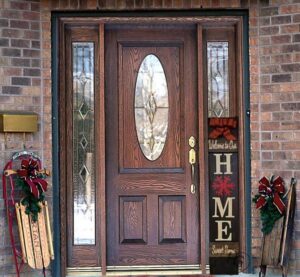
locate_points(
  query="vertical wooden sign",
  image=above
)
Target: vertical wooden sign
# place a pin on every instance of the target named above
(223, 195)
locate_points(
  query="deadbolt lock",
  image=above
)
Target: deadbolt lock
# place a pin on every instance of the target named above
(192, 141)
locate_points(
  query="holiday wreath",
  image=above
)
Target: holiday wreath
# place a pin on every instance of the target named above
(31, 180)
(269, 201)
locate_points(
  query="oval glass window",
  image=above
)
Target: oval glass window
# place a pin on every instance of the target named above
(151, 107)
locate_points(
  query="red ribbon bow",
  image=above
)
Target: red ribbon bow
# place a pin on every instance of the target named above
(29, 173)
(271, 188)
(222, 128)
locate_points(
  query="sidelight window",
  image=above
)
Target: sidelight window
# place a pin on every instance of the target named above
(83, 143)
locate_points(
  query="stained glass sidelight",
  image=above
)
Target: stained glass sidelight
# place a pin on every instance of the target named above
(151, 107)
(218, 86)
(83, 143)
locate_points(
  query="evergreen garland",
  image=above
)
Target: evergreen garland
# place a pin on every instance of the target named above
(268, 215)
(31, 203)
(270, 202)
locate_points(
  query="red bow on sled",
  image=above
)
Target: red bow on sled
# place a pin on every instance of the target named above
(271, 188)
(29, 173)
(222, 127)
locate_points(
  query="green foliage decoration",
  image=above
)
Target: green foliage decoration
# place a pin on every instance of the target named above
(269, 214)
(31, 203)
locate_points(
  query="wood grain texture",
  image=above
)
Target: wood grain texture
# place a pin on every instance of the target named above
(139, 179)
(133, 219)
(100, 148)
(241, 112)
(84, 255)
(62, 147)
(129, 173)
(203, 175)
(172, 221)
(131, 154)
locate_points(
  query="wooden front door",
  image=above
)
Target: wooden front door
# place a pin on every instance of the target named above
(151, 112)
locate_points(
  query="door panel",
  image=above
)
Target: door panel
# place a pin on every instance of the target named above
(152, 216)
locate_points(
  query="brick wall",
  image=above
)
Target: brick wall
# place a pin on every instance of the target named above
(275, 101)
(20, 89)
(25, 84)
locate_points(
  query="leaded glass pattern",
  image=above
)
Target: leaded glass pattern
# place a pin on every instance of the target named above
(151, 107)
(83, 143)
(217, 74)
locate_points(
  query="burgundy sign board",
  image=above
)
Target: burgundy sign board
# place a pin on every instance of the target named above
(223, 195)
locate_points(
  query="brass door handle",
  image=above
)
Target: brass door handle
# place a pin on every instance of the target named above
(192, 161)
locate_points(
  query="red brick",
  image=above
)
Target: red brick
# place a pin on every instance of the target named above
(3, 22)
(11, 52)
(270, 107)
(281, 19)
(294, 67)
(266, 135)
(20, 81)
(270, 164)
(264, 21)
(281, 78)
(292, 145)
(14, 5)
(31, 15)
(270, 145)
(275, 68)
(12, 71)
(270, 126)
(12, 33)
(31, 72)
(4, 42)
(31, 53)
(281, 39)
(20, 62)
(296, 18)
(20, 43)
(267, 155)
(36, 63)
(11, 14)
(34, 25)
(11, 90)
(21, 24)
(279, 155)
(290, 106)
(286, 29)
(32, 34)
(282, 58)
(289, 9)
(35, 7)
(269, 11)
(272, 30)
(282, 116)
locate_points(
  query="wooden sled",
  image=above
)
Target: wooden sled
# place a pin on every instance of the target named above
(35, 237)
(276, 246)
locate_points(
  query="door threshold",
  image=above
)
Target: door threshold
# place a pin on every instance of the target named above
(166, 270)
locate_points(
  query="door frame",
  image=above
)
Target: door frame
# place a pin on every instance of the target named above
(199, 17)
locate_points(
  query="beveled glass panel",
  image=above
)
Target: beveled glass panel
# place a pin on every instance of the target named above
(151, 107)
(217, 74)
(83, 143)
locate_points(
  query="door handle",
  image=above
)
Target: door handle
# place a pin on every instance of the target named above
(192, 161)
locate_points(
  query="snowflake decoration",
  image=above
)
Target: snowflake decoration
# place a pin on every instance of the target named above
(223, 186)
